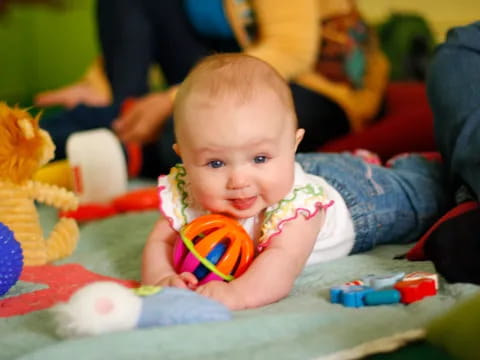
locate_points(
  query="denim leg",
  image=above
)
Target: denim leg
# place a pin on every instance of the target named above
(177, 46)
(134, 34)
(127, 44)
(387, 205)
(452, 83)
(426, 186)
(62, 124)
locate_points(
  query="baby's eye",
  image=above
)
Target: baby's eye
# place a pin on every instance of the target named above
(260, 159)
(216, 164)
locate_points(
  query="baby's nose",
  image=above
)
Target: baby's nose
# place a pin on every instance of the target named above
(237, 180)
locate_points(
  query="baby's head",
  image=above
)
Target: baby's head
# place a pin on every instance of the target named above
(236, 132)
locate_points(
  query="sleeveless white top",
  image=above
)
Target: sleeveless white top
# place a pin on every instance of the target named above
(309, 195)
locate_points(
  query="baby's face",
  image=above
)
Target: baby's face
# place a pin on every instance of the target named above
(239, 158)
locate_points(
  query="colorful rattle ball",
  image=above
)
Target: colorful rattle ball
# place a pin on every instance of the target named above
(213, 247)
(11, 259)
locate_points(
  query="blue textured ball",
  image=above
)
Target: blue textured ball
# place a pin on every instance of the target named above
(11, 259)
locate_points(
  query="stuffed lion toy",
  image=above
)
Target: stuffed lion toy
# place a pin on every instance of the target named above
(24, 148)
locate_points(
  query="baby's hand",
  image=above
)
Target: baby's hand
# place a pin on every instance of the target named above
(222, 292)
(184, 280)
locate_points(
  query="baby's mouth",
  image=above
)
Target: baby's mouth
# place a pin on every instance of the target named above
(243, 203)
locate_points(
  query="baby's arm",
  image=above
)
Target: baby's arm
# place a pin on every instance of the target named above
(271, 275)
(157, 260)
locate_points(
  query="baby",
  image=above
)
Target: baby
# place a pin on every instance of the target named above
(236, 133)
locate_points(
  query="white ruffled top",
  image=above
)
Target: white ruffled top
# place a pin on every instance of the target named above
(309, 194)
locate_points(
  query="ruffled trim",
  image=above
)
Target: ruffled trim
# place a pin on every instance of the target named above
(273, 227)
(171, 191)
(161, 188)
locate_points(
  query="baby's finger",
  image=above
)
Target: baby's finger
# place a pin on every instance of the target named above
(203, 290)
(190, 280)
(178, 282)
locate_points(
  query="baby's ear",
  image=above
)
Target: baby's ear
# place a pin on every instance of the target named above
(176, 148)
(298, 137)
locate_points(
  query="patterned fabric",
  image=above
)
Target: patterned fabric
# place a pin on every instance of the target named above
(343, 45)
(306, 198)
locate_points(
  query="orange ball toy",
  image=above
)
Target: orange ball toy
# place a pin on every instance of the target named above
(213, 247)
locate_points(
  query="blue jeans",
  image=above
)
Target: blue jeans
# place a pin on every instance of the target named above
(453, 90)
(394, 204)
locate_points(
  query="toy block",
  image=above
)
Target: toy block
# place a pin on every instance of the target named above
(349, 296)
(382, 297)
(414, 290)
(420, 275)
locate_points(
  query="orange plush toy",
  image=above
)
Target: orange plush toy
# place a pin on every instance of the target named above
(24, 148)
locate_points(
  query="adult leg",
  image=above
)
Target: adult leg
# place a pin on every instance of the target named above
(453, 80)
(321, 118)
(126, 41)
(177, 46)
(452, 85)
(134, 34)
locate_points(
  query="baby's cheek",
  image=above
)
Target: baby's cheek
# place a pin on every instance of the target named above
(277, 192)
(210, 198)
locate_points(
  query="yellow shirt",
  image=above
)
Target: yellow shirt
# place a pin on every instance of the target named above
(289, 38)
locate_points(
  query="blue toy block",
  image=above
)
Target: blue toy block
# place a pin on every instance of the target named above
(349, 295)
(336, 293)
(353, 297)
(382, 297)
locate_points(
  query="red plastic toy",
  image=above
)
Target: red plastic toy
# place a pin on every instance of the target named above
(414, 290)
(88, 212)
(136, 200)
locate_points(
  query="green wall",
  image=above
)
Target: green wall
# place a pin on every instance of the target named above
(43, 47)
